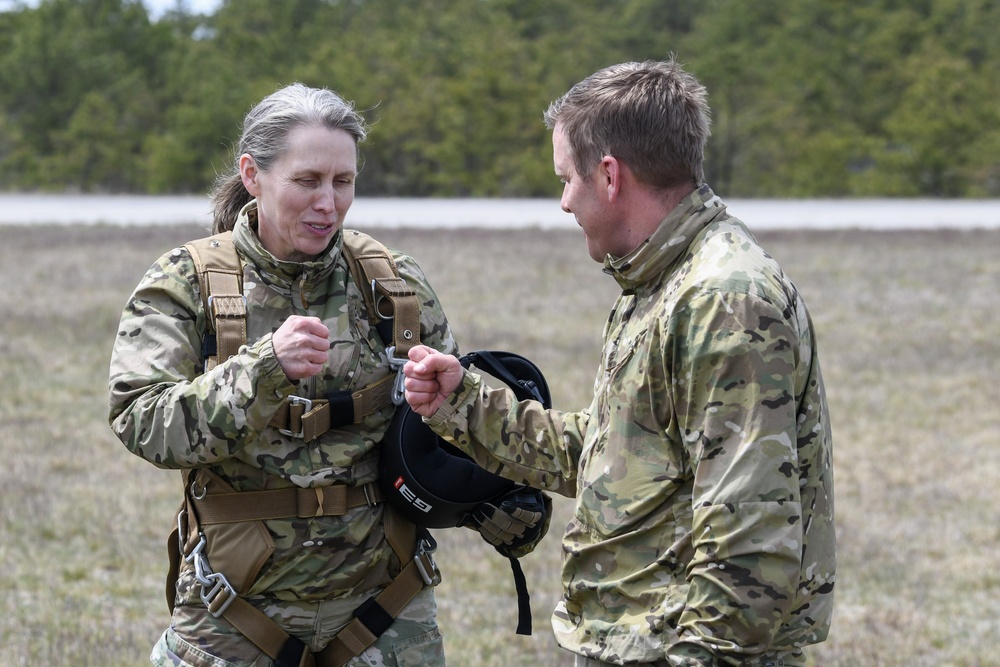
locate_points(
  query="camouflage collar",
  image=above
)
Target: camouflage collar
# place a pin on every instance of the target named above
(670, 240)
(281, 272)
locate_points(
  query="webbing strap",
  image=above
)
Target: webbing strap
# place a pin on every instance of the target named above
(286, 503)
(220, 275)
(228, 310)
(387, 297)
(311, 419)
(374, 270)
(352, 640)
(371, 619)
(254, 624)
(356, 636)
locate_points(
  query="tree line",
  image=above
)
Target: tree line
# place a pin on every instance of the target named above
(818, 98)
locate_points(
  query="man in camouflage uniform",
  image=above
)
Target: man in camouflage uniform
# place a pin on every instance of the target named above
(703, 531)
(307, 334)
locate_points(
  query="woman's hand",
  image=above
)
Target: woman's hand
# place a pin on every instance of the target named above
(302, 346)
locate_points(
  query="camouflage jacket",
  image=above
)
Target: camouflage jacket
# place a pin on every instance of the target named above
(167, 411)
(703, 528)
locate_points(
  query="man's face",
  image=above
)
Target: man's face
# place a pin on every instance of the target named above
(303, 198)
(586, 198)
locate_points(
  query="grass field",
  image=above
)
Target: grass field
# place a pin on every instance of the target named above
(909, 337)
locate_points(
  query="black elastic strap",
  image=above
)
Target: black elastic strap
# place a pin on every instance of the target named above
(384, 329)
(341, 408)
(523, 599)
(374, 617)
(523, 389)
(290, 654)
(209, 346)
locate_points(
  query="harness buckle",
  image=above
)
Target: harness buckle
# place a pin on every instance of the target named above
(219, 586)
(213, 584)
(196, 556)
(211, 299)
(423, 557)
(297, 400)
(398, 395)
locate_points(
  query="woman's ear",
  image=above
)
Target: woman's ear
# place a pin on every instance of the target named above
(249, 173)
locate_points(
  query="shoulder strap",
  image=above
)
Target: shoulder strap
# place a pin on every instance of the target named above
(391, 305)
(220, 275)
(377, 276)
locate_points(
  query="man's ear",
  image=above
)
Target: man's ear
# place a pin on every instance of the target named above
(249, 173)
(611, 175)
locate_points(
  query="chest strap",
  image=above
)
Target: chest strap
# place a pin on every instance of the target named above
(308, 418)
(391, 306)
(220, 275)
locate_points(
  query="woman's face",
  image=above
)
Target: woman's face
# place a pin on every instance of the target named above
(303, 198)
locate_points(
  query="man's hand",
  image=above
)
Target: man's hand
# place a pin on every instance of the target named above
(431, 377)
(302, 346)
(515, 525)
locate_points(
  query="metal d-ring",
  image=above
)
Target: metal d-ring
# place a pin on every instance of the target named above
(377, 301)
(194, 490)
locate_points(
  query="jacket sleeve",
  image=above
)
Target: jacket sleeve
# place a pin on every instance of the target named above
(161, 405)
(521, 441)
(735, 358)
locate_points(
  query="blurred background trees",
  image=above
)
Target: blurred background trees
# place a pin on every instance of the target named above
(815, 98)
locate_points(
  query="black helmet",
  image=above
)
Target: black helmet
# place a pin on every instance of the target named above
(429, 481)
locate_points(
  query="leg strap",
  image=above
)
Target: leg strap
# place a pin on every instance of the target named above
(371, 619)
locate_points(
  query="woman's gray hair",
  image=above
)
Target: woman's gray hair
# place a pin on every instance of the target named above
(652, 115)
(265, 133)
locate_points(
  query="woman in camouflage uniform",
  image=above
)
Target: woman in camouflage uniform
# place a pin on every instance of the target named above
(307, 335)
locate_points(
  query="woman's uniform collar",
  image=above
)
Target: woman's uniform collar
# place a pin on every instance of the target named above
(247, 239)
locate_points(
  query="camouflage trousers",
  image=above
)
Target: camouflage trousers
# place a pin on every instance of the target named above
(195, 638)
(783, 659)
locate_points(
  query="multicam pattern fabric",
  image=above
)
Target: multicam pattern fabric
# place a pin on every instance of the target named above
(703, 531)
(165, 410)
(413, 640)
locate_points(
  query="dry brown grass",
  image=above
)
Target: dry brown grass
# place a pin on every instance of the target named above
(910, 342)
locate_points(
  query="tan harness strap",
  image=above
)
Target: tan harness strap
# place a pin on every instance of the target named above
(372, 266)
(285, 503)
(228, 308)
(220, 275)
(386, 296)
(355, 637)
(371, 619)
(311, 419)
(419, 572)
(256, 626)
